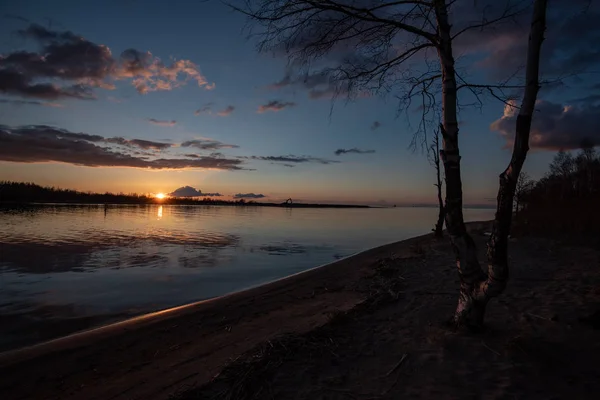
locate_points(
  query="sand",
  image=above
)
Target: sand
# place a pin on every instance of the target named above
(370, 326)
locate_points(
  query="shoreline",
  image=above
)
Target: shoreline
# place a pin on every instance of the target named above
(69, 341)
(154, 354)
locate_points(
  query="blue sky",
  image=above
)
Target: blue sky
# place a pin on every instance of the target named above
(211, 36)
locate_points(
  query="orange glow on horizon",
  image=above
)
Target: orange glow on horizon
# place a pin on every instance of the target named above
(160, 196)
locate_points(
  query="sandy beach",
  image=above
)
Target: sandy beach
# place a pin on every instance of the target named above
(369, 326)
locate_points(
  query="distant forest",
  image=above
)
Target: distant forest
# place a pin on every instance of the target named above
(566, 200)
(22, 193)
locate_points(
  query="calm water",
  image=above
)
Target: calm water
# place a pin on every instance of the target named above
(66, 268)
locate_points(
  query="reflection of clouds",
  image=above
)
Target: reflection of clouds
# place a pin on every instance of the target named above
(286, 248)
(92, 249)
(283, 249)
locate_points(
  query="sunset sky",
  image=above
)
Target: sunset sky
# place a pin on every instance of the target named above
(150, 96)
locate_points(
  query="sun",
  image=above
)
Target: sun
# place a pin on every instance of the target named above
(160, 196)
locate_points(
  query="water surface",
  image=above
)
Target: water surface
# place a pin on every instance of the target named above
(65, 268)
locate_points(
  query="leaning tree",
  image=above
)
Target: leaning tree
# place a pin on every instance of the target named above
(405, 48)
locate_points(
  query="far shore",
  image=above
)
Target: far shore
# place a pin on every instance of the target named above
(401, 293)
(191, 203)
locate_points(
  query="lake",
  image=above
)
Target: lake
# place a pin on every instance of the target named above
(65, 268)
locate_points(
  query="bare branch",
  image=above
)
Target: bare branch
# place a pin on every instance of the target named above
(367, 15)
(508, 13)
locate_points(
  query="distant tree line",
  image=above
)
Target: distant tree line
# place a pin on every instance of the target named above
(566, 200)
(25, 192)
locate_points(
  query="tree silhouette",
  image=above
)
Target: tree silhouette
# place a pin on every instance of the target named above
(370, 47)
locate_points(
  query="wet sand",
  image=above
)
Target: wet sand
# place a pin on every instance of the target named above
(550, 298)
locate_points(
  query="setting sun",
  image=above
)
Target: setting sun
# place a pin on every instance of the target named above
(160, 196)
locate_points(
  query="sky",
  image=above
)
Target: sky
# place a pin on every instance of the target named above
(155, 96)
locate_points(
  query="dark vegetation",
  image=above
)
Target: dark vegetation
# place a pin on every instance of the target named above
(566, 200)
(23, 193)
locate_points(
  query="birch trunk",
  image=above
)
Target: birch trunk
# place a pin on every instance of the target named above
(497, 250)
(439, 226)
(469, 270)
(477, 287)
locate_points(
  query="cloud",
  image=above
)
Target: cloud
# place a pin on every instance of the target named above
(320, 84)
(16, 83)
(41, 143)
(161, 122)
(16, 17)
(554, 126)
(207, 144)
(205, 109)
(289, 159)
(30, 103)
(149, 73)
(500, 49)
(503, 49)
(188, 191)
(141, 143)
(376, 125)
(353, 150)
(275, 105)
(226, 112)
(248, 196)
(67, 65)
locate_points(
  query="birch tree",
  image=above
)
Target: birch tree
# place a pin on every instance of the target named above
(433, 155)
(406, 48)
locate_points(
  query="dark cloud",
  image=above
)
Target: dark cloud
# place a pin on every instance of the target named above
(320, 84)
(17, 83)
(591, 99)
(188, 191)
(207, 144)
(248, 196)
(376, 125)
(29, 103)
(292, 159)
(226, 112)
(554, 126)
(161, 122)
(40, 143)
(275, 105)
(81, 65)
(141, 143)
(504, 47)
(42, 34)
(353, 150)
(205, 109)
(16, 17)
(499, 49)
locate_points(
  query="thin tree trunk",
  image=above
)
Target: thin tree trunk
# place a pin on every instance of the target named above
(439, 226)
(497, 250)
(463, 245)
(477, 287)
